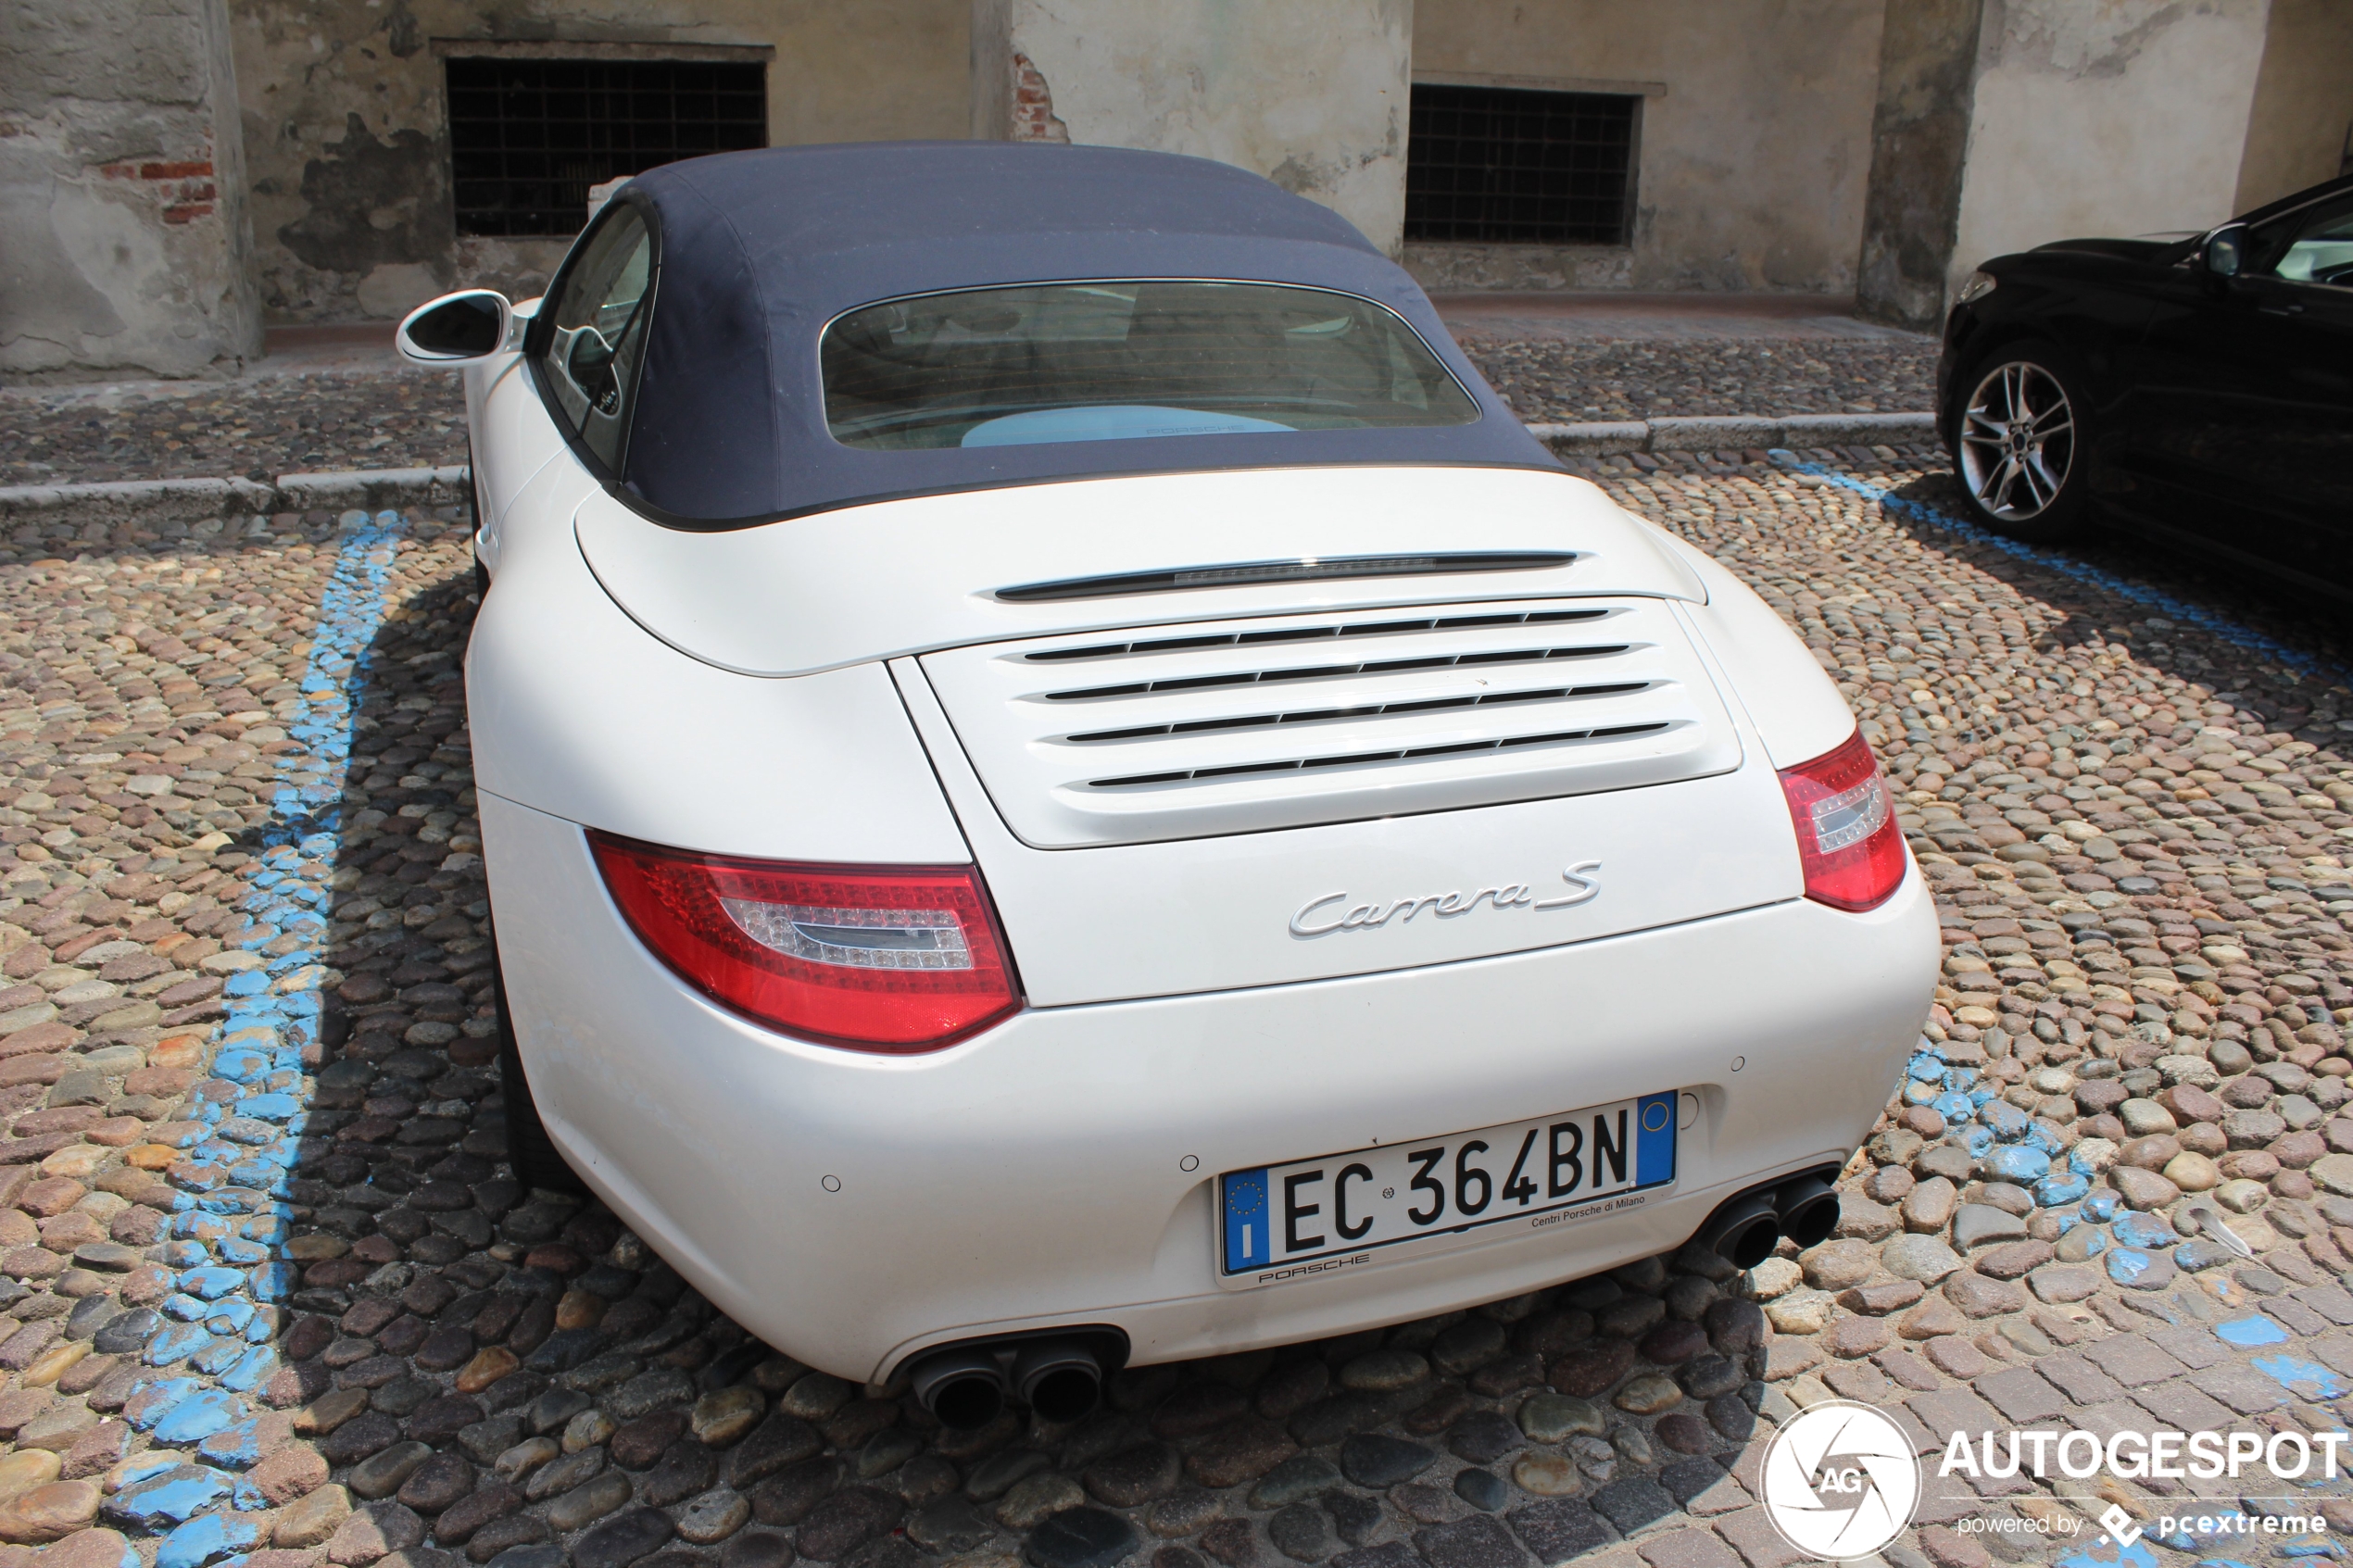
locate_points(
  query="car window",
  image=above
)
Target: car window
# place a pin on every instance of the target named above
(1107, 361)
(599, 333)
(2312, 245)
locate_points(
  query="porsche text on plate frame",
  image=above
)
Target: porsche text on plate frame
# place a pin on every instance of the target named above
(1284, 1223)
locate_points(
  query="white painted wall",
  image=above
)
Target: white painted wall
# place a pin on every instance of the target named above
(2108, 118)
(1313, 96)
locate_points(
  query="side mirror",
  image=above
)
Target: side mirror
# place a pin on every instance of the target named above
(472, 324)
(2224, 249)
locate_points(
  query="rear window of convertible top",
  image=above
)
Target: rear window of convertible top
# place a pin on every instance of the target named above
(1108, 361)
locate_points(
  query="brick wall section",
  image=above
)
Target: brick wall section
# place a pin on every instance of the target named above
(184, 191)
(1034, 106)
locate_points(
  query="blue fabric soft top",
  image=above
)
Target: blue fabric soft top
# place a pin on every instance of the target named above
(760, 250)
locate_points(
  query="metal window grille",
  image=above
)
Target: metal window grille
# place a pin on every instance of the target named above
(1506, 164)
(527, 138)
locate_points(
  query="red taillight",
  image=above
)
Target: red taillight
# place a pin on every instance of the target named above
(893, 959)
(1846, 833)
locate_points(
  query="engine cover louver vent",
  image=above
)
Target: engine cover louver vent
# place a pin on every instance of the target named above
(1453, 748)
(1225, 728)
(1264, 635)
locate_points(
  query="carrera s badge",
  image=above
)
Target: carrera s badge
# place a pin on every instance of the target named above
(1316, 917)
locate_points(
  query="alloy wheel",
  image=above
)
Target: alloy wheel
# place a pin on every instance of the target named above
(2017, 440)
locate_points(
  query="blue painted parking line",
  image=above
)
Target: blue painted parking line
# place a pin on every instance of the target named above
(2173, 609)
(230, 1213)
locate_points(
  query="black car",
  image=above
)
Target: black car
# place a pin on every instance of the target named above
(2199, 387)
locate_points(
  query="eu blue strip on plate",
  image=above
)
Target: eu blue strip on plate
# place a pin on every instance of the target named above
(1248, 1244)
(1653, 1139)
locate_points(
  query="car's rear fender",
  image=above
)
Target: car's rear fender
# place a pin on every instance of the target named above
(574, 710)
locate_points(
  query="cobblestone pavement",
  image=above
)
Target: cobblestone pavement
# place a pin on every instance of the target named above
(267, 425)
(1634, 378)
(272, 1299)
(259, 428)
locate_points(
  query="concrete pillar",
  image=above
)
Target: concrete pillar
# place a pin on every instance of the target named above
(2006, 124)
(1919, 134)
(123, 239)
(1315, 96)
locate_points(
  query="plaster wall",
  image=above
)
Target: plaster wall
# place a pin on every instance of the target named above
(346, 124)
(2300, 131)
(123, 239)
(1313, 97)
(2120, 117)
(1754, 134)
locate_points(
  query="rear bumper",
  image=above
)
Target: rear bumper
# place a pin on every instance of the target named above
(853, 1210)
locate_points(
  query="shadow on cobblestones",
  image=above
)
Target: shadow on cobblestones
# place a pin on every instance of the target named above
(2108, 588)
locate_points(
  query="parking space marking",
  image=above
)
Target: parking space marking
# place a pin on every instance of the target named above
(232, 1208)
(2067, 566)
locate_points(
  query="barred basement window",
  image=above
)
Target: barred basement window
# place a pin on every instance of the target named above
(528, 137)
(1511, 166)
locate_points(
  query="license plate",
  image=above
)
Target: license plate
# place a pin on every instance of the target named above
(1280, 1224)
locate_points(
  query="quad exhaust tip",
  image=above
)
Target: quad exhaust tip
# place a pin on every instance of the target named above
(1744, 1231)
(1808, 1209)
(964, 1388)
(1058, 1379)
(1058, 1374)
(1747, 1227)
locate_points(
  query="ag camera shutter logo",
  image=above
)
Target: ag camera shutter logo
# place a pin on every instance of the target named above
(1840, 1481)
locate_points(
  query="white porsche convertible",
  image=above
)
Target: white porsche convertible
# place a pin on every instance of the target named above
(1063, 784)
